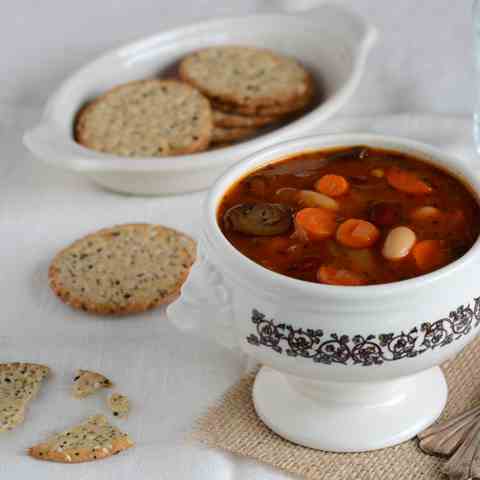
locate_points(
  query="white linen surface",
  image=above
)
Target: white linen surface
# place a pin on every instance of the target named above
(422, 62)
(170, 377)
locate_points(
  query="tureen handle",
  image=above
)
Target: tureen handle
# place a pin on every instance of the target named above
(204, 306)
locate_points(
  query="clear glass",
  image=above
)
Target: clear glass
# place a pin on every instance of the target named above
(476, 39)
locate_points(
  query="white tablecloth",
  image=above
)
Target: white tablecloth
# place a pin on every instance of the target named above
(170, 377)
(422, 64)
(423, 61)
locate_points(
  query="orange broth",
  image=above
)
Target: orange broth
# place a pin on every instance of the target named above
(366, 170)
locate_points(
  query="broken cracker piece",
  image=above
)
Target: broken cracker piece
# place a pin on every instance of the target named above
(93, 439)
(19, 384)
(119, 405)
(87, 382)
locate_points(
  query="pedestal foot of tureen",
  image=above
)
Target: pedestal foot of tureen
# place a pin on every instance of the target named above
(349, 417)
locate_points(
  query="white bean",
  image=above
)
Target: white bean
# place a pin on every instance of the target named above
(309, 198)
(425, 213)
(398, 243)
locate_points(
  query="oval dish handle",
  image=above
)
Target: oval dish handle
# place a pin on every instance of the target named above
(336, 19)
(44, 141)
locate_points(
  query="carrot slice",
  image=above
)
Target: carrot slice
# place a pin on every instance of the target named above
(315, 223)
(429, 254)
(356, 233)
(340, 276)
(407, 182)
(332, 185)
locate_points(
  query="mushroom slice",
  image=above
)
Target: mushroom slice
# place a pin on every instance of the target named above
(260, 219)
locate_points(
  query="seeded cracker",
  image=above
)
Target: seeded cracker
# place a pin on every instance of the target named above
(91, 440)
(269, 111)
(246, 76)
(19, 384)
(227, 135)
(232, 120)
(146, 118)
(87, 382)
(123, 269)
(119, 405)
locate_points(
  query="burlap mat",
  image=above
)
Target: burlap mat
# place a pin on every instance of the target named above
(233, 425)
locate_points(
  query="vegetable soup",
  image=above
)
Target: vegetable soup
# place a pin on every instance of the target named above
(350, 216)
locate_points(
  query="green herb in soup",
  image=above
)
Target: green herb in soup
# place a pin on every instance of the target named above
(351, 216)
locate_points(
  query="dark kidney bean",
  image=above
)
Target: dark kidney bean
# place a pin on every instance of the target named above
(385, 213)
(358, 179)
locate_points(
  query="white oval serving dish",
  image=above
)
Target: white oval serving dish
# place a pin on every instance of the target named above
(331, 41)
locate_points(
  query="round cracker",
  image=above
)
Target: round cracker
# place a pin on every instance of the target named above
(147, 118)
(245, 76)
(269, 111)
(233, 120)
(124, 269)
(228, 135)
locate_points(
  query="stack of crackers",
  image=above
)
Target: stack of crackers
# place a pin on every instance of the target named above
(224, 95)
